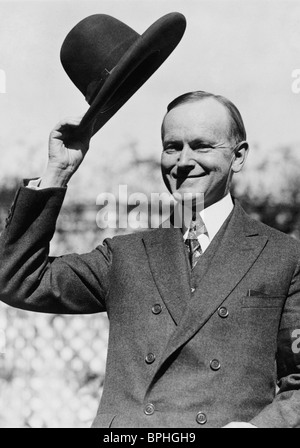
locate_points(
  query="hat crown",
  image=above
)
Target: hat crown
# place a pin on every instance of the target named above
(94, 47)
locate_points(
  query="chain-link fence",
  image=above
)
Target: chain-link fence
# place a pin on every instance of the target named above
(51, 368)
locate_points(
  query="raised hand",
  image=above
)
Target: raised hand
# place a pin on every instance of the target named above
(68, 145)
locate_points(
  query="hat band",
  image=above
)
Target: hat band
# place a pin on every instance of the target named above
(94, 86)
(136, 75)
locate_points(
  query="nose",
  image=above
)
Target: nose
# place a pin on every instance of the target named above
(186, 159)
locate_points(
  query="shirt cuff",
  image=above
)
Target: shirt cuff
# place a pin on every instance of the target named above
(34, 184)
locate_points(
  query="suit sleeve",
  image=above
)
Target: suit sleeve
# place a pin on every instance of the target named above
(30, 279)
(284, 411)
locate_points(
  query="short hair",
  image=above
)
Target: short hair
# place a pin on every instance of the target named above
(237, 130)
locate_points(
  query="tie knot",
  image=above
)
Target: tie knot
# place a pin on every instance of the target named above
(197, 227)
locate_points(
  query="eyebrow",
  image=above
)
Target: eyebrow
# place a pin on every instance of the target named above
(171, 141)
(192, 143)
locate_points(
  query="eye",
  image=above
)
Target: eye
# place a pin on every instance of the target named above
(171, 148)
(202, 147)
(170, 151)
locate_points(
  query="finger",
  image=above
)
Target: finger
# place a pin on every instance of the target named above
(68, 122)
(65, 128)
(70, 133)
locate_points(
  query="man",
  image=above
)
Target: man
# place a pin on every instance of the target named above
(198, 337)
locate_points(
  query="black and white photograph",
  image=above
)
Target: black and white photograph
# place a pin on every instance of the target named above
(150, 216)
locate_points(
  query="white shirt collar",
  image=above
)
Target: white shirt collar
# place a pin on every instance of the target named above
(214, 216)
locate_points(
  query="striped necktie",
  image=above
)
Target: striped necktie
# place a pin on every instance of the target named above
(197, 228)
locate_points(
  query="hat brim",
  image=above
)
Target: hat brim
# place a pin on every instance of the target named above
(139, 62)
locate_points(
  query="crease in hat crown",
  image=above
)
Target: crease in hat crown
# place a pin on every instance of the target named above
(100, 38)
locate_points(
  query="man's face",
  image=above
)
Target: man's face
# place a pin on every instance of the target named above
(197, 151)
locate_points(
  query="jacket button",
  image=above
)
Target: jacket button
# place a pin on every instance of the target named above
(156, 309)
(215, 364)
(149, 409)
(201, 418)
(223, 312)
(150, 358)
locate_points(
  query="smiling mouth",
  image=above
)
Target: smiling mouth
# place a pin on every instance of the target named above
(195, 176)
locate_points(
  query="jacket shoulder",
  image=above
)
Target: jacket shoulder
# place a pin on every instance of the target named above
(132, 238)
(279, 237)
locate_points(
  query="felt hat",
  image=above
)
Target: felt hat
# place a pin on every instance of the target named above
(108, 61)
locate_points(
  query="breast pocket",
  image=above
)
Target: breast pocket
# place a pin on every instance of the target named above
(263, 301)
(259, 319)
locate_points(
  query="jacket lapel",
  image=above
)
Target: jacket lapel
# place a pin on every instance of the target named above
(168, 263)
(238, 250)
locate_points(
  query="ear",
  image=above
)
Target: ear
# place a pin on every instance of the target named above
(240, 156)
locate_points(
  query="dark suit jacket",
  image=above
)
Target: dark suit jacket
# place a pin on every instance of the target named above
(175, 358)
